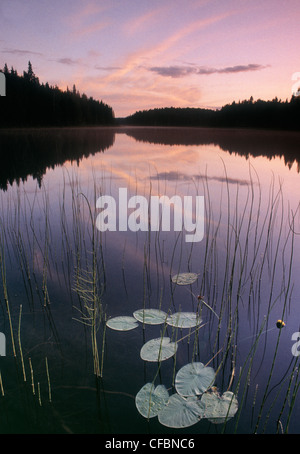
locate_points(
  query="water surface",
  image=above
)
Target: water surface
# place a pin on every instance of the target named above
(247, 264)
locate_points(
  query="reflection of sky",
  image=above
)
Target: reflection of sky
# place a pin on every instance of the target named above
(138, 54)
(170, 169)
(166, 170)
(149, 168)
(181, 167)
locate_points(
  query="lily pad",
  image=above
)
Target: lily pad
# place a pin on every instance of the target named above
(184, 319)
(219, 409)
(194, 379)
(150, 316)
(150, 400)
(158, 349)
(184, 278)
(122, 323)
(180, 412)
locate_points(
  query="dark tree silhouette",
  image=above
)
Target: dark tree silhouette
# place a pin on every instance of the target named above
(29, 75)
(28, 103)
(259, 114)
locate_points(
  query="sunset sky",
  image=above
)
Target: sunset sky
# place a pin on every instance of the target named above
(141, 54)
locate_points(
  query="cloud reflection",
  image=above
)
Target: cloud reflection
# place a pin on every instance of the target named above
(180, 176)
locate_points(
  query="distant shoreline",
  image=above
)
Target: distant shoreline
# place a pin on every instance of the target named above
(31, 104)
(131, 126)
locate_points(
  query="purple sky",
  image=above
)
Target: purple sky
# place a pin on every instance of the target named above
(138, 54)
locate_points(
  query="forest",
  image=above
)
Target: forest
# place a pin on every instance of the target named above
(275, 114)
(29, 103)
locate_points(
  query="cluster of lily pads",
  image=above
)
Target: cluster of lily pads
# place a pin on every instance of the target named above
(192, 401)
(195, 396)
(161, 348)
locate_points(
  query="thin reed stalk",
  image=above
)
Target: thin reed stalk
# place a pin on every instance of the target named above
(20, 344)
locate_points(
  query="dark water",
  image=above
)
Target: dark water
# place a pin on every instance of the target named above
(248, 264)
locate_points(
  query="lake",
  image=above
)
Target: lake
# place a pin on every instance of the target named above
(84, 241)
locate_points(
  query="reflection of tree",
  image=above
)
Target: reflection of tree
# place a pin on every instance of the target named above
(33, 151)
(274, 114)
(244, 142)
(30, 152)
(29, 103)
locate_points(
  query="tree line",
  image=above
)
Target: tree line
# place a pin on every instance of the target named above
(29, 103)
(275, 114)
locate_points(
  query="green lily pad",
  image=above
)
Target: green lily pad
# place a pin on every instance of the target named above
(219, 409)
(184, 278)
(184, 319)
(180, 412)
(150, 400)
(122, 323)
(194, 379)
(150, 316)
(158, 349)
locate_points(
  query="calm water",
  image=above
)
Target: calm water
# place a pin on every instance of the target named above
(248, 266)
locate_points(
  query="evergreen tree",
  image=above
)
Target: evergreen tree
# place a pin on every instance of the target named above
(30, 103)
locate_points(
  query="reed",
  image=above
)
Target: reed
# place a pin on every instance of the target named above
(32, 376)
(20, 344)
(1, 385)
(48, 380)
(5, 291)
(244, 251)
(286, 293)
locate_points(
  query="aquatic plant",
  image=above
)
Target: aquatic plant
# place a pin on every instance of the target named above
(179, 412)
(194, 379)
(237, 275)
(150, 400)
(160, 349)
(184, 320)
(219, 409)
(122, 323)
(195, 399)
(184, 278)
(150, 316)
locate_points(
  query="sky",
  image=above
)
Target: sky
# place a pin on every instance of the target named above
(143, 54)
